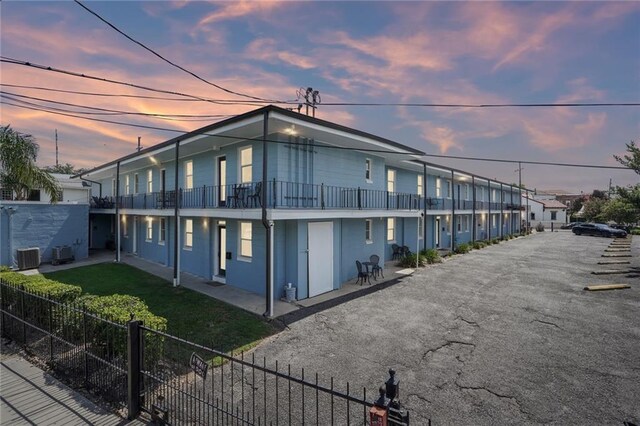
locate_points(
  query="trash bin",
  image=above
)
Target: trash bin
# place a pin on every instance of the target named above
(290, 292)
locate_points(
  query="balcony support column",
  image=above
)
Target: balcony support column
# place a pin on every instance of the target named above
(117, 202)
(501, 212)
(452, 225)
(424, 206)
(176, 227)
(473, 210)
(268, 225)
(489, 213)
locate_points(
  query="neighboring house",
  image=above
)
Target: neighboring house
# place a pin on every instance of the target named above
(546, 211)
(37, 223)
(273, 196)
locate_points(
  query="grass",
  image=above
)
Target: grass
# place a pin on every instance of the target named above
(190, 315)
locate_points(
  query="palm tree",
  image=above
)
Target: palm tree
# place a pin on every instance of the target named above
(18, 170)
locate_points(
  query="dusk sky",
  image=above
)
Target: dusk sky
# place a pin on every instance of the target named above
(357, 52)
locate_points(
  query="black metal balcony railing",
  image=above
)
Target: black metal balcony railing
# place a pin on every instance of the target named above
(290, 195)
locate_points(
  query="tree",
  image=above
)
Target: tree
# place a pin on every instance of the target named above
(620, 211)
(593, 209)
(65, 169)
(18, 170)
(631, 160)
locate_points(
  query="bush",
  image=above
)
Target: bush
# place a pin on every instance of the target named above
(119, 308)
(635, 231)
(478, 245)
(495, 241)
(431, 256)
(463, 248)
(39, 284)
(4, 268)
(540, 227)
(410, 261)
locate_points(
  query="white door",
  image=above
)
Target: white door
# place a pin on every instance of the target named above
(437, 233)
(320, 257)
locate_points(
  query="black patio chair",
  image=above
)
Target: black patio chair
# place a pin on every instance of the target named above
(237, 197)
(397, 252)
(255, 199)
(405, 251)
(375, 265)
(363, 273)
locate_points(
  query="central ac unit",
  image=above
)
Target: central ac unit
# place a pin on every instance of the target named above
(62, 254)
(28, 258)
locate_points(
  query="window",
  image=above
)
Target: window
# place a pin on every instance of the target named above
(125, 233)
(391, 180)
(188, 174)
(136, 184)
(58, 196)
(438, 188)
(459, 223)
(466, 223)
(188, 233)
(554, 215)
(367, 169)
(420, 185)
(368, 226)
(113, 187)
(391, 229)
(466, 191)
(533, 216)
(494, 220)
(149, 180)
(449, 189)
(34, 195)
(246, 165)
(481, 194)
(149, 235)
(246, 235)
(162, 230)
(494, 196)
(127, 187)
(420, 227)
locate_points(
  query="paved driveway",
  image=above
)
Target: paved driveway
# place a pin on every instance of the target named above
(503, 335)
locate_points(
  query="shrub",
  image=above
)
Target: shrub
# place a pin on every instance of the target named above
(495, 241)
(431, 256)
(39, 284)
(4, 268)
(635, 231)
(462, 248)
(478, 245)
(410, 261)
(540, 227)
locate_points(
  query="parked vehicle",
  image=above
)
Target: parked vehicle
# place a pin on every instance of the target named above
(625, 228)
(598, 230)
(570, 225)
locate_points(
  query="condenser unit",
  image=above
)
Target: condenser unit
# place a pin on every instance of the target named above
(62, 254)
(28, 258)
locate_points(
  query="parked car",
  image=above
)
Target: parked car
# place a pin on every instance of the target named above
(625, 228)
(598, 229)
(570, 225)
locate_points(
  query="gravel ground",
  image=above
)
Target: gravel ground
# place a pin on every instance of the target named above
(502, 335)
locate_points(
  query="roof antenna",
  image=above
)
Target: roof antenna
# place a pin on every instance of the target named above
(56, 130)
(139, 146)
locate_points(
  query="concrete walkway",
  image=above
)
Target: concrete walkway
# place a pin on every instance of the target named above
(235, 296)
(32, 397)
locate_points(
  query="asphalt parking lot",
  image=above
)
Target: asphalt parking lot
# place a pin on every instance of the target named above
(502, 335)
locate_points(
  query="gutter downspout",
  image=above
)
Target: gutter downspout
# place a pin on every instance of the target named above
(176, 228)
(489, 213)
(118, 212)
(473, 211)
(501, 213)
(453, 212)
(92, 181)
(424, 216)
(268, 225)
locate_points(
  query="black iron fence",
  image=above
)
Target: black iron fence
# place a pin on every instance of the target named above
(176, 381)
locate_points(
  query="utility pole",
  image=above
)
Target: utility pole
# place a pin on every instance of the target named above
(311, 99)
(56, 131)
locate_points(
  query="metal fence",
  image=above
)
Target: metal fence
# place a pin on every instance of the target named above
(176, 381)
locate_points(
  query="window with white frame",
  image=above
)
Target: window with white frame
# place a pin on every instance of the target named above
(125, 232)
(149, 180)
(420, 186)
(246, 239)
(391, 180)
(368, 231)
(149, 234)
(554, 215)
(421, 227)
(246, 165)
(459, 223)
(494, 196)
(127, 186)
(494, 220)
(481, 194)
(467, 220)
(136, 183)
(188, 174)
(391, 229)
(113, 187)
(438, 187)
(466, 191)
(188, 233)
(449, 184)
(162, 230)
(367, 169)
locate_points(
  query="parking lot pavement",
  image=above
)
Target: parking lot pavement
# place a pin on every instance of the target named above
(502, 335)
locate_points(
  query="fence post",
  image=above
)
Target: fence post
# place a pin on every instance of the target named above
(133, 368)
(322, 195)
(24, 319)
(359, 200)
(50, 329)
(85, 346)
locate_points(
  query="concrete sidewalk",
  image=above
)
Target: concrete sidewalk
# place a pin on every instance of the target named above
(30, 396)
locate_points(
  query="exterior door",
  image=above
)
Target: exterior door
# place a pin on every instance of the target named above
(222, 181)
(134, 248)
(437, 233)
(222, 250)
(320, 257)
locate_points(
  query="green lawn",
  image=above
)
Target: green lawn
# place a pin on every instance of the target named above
(190, 315)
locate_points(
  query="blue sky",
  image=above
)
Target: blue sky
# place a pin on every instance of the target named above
(398, 52)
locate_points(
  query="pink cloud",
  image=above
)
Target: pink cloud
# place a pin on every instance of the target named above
(267, 50)
(237, 9)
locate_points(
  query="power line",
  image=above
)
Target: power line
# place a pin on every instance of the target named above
(148, 49)
(515, 105)
(105, 110)
(123, 83)
(380, 151)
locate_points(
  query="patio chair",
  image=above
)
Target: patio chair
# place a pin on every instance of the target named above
(237, 197)
(375, 265)
(397, 253)
(405, 251)
(255, 199)
(363, 273)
